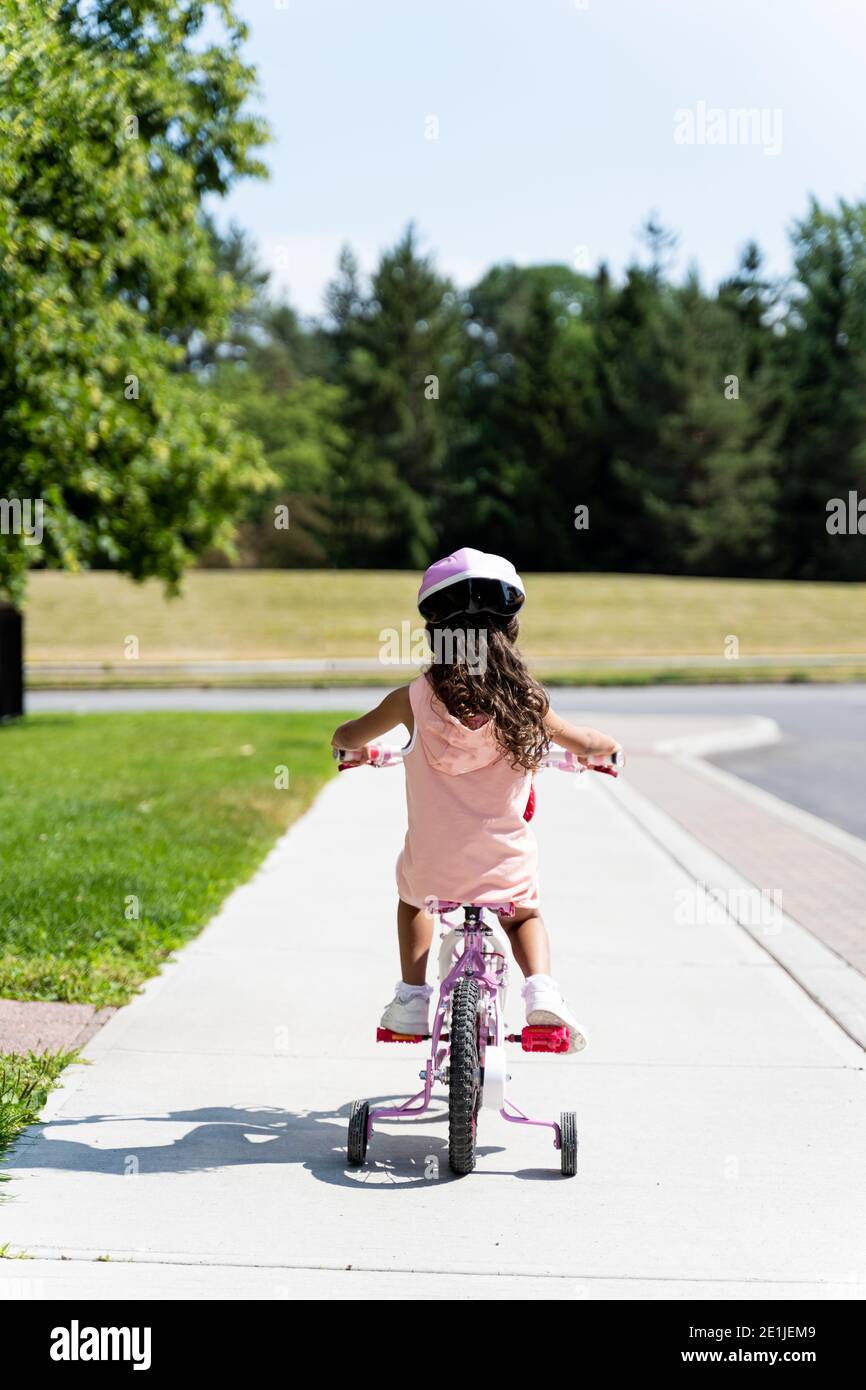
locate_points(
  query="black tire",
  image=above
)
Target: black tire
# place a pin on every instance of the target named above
(464, 1094)
(568, 1147)
(358, 1122)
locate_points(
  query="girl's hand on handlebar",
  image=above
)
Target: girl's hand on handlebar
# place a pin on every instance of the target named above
(612, 762)
(590, 746)
(351, 757)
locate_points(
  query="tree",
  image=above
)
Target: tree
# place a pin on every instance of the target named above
(753, 300)
(502, 300)
(345, 307)
(297, 421)
(516, 469)
(116, 126)
(719, 508)
(636, 394)
(687, 468)
(732, 340)
(397, 347)
(823, 394)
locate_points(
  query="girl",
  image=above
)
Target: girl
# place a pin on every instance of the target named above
(479, 726)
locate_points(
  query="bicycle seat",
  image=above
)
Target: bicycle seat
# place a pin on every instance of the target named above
(439, 906)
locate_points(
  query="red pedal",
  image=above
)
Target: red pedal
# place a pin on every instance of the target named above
(388, 1035)
(543, 1038)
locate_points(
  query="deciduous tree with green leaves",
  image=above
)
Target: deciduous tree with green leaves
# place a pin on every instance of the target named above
(117, 121)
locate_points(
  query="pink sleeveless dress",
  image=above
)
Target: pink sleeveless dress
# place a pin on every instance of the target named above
(467, 840)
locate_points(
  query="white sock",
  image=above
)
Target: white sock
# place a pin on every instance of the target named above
(407, 992)
(546, 980)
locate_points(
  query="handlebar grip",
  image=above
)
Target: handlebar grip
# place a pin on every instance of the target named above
(346, 758)
(607, 760)
(374, 755)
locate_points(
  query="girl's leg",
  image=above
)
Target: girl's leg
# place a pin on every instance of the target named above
(529, 942)
(415, 934)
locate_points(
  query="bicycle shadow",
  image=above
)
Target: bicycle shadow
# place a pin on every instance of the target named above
(402, 1155)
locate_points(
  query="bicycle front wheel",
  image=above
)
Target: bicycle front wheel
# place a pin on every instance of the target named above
(464, 1095)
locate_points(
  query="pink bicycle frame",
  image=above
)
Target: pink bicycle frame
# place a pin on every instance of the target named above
(472, 962)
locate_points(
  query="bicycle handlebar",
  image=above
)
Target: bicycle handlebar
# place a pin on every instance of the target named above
(387, 755)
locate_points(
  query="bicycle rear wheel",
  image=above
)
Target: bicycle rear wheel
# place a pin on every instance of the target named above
(464, 1095)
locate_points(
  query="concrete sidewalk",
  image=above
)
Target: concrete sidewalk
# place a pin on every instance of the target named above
(202, 1150)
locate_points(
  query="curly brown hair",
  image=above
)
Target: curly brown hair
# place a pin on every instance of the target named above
(499, 685)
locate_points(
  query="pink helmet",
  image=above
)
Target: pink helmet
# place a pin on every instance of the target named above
(469, 581)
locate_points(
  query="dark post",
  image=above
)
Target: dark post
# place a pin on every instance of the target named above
(11, 662)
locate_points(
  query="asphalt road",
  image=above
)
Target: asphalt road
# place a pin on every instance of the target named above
(820, 764)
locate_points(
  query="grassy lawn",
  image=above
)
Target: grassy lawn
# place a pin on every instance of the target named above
(105, 815)
(278, 614)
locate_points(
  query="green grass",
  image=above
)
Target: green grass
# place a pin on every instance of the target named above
(103, 815)
(25, 1082)
(267, 614)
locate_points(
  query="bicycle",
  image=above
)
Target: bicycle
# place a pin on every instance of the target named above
(467, 1042)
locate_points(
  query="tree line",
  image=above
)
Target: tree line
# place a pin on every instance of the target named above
(570, 420)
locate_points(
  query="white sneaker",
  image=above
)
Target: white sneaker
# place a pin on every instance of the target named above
(409, 1010)
(545, 1006)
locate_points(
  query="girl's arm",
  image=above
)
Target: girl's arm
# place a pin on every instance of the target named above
(578, 738)
(395, 709)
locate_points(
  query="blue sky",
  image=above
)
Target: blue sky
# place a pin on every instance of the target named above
(556, 128)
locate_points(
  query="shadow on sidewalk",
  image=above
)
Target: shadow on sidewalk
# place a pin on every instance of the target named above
(409, 1153)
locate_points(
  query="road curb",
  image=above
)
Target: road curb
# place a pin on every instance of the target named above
(752, 733)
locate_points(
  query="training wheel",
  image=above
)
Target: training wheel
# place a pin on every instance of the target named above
(495, 1078)
(568, 1143)
(359, 1124)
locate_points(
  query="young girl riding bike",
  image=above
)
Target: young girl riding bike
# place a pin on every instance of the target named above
(479, 727)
